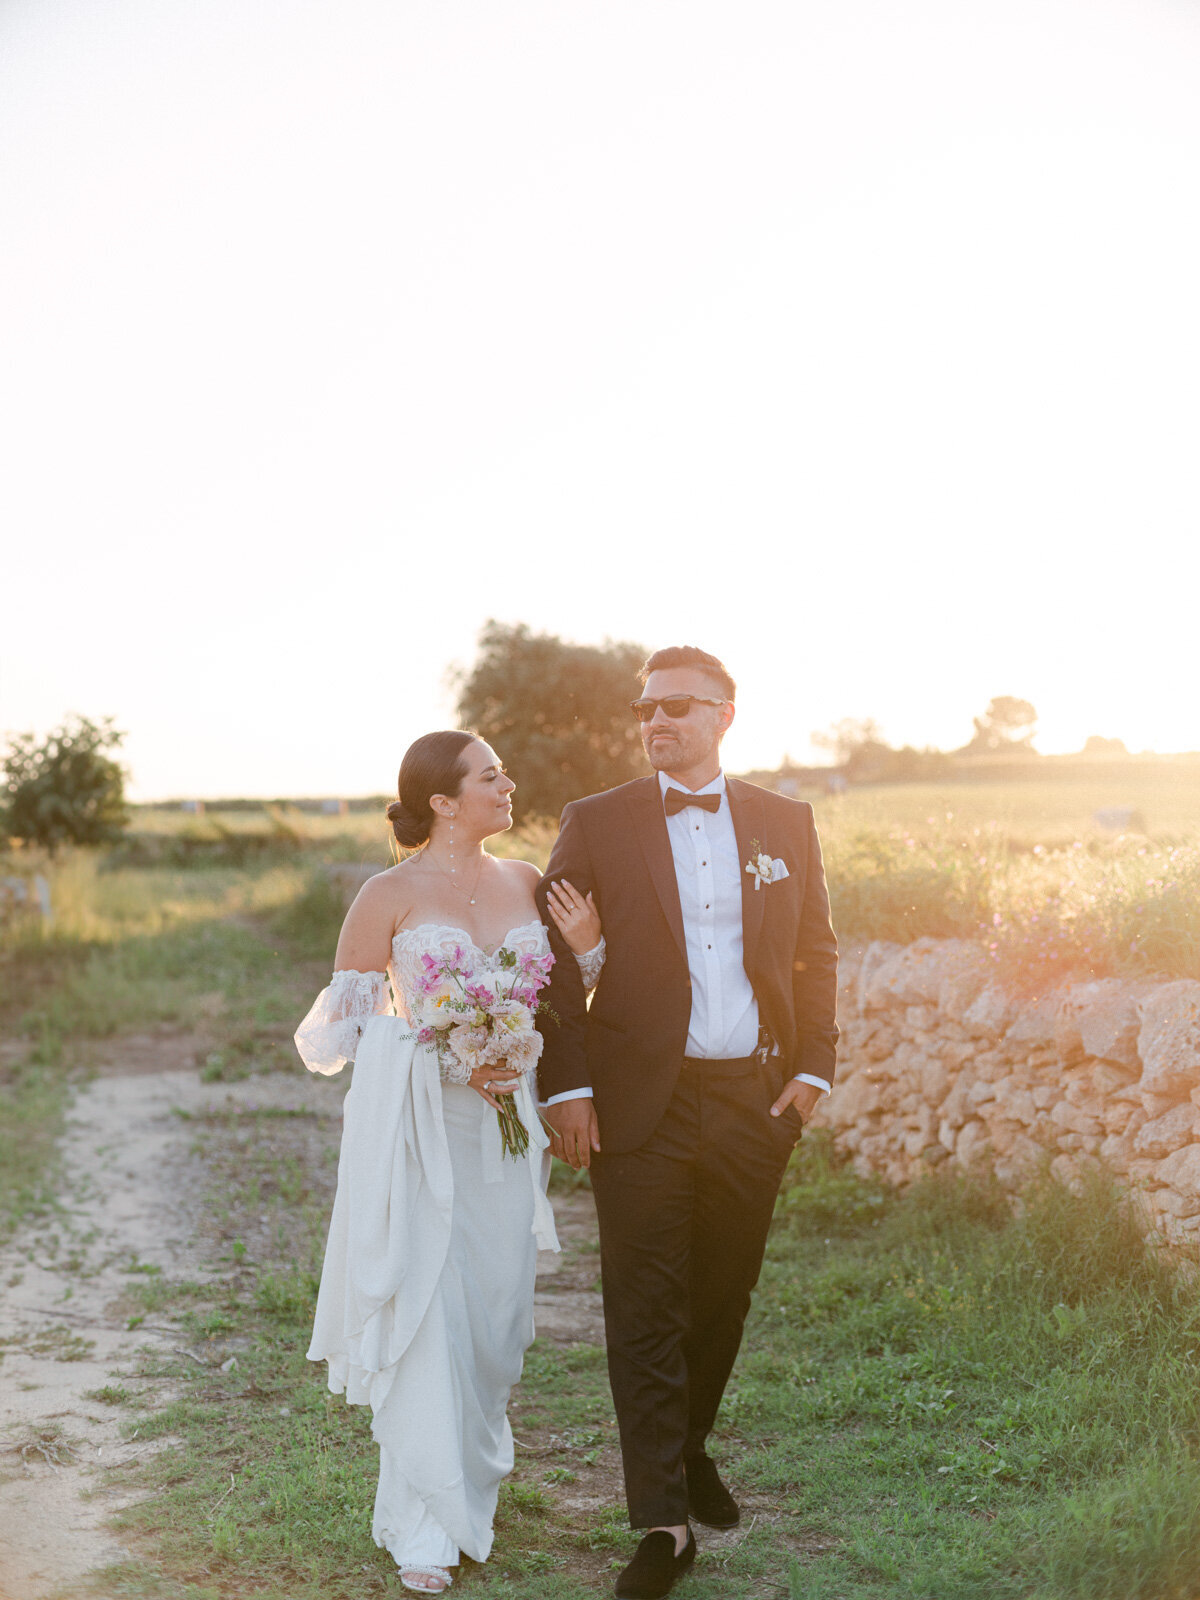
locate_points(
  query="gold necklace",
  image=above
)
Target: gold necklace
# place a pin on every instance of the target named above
(449, 876)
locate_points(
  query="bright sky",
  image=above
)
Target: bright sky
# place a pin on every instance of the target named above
(857, 341)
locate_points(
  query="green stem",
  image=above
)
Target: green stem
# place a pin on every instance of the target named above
(513, 1133)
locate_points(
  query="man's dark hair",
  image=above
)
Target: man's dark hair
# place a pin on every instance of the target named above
(688, 655)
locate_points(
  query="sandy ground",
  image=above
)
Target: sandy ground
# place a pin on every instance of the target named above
(128, 1200)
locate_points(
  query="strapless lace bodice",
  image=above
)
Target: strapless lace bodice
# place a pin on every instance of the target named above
(442, 940)
(328, 1037)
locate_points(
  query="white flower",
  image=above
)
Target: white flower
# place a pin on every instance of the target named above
(512, 1016)
(762, 868)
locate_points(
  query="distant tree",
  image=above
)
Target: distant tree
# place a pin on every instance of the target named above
(1007, 724)
(65, 790)
(851, 738)
(557, 714)
(864, 756)
(1097, 745)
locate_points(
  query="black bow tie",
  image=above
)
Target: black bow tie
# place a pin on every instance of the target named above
(676, 799)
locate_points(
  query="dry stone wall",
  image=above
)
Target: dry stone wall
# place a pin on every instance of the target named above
(939, 1062)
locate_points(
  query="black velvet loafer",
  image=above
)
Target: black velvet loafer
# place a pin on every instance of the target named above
(655, 1568)
(709, 1501)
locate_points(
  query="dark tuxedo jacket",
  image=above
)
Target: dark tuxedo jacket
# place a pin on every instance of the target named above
(628, 1046)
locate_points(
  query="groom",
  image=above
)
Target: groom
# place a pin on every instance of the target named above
(708, 1043)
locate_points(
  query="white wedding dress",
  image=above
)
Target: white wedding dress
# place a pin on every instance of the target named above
(425, 1308)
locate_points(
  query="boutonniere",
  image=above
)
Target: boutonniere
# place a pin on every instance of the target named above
(762, 868)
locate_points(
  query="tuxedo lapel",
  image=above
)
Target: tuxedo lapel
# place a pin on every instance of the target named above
(746, 808)
(650, 825)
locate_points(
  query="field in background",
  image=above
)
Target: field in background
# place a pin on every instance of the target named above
(1027, 868)
(1165, 797)
(1024, 867)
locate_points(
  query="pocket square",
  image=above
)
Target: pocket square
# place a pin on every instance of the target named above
(764, 868)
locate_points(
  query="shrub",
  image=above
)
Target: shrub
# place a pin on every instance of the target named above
(66, 790)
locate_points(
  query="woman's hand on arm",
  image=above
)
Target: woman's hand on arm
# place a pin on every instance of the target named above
(575, 915)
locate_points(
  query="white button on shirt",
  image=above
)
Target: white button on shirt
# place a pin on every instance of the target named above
(724, 1019)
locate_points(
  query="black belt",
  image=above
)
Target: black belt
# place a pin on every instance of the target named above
(722, 1066)
(733, 1066)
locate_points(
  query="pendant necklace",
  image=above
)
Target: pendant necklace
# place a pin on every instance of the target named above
(470, 893)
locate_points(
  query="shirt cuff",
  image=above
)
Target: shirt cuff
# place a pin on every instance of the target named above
(807, 1077)
(569, 1094)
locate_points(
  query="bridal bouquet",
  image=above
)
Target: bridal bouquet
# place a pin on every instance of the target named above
(475, 1019)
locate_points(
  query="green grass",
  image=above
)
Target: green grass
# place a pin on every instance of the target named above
(33, 1100)
(938, 1399)
(972, 1402)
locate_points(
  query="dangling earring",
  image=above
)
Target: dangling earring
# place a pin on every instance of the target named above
(452, 844)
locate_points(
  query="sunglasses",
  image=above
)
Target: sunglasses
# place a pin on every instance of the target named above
(675, 705)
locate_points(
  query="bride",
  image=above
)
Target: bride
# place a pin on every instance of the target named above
(425, 1307)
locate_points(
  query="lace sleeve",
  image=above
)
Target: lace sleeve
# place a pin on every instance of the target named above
(590, 964)
(328, 1037)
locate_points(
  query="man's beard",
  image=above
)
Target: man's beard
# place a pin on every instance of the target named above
(663, 754)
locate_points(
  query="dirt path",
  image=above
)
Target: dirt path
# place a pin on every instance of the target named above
(66, 1310)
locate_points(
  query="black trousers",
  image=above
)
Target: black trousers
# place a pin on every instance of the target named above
(683, 1226)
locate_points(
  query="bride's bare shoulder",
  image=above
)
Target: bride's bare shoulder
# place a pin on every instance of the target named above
(522, 872)
(389, 894)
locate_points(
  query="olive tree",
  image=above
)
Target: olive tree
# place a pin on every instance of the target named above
(556, 713)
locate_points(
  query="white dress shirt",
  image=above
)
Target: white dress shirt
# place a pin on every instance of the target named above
(724, 1019)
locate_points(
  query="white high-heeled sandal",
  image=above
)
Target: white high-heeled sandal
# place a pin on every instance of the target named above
(425, 1572)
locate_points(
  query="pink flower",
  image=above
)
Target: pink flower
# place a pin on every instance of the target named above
(468, 1043)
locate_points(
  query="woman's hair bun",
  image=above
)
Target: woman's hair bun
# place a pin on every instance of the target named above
(409, 832)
